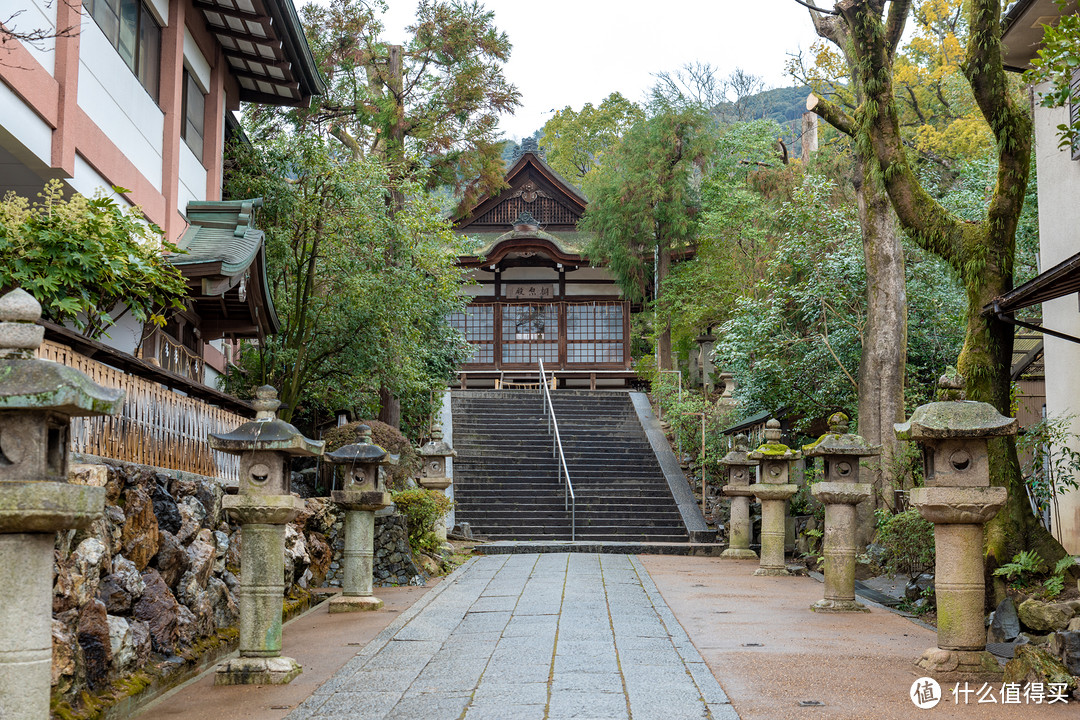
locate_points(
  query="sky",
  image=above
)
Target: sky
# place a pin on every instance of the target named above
(570, 52)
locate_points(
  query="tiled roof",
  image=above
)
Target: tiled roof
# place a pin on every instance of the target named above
(221, 231)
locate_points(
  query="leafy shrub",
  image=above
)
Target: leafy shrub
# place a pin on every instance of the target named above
(908, 540)
(1024, 565)
(386, 437)
(81, 258)
(422, 509)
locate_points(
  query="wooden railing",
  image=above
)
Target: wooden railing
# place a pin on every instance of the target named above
(174, 357)
(157, 427)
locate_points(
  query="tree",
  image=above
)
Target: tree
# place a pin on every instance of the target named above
(430, 107)
(982, 253)
(351, 323)
(575, 141)
(644, 200)
(882, 364)
(87, 260)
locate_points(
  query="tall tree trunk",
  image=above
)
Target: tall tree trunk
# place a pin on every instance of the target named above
(982, 253)
(389, 403)
(882, 367)
(883, 364)
(663, 335)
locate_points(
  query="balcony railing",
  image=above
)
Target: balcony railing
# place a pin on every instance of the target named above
(174, 357)
(157, 427)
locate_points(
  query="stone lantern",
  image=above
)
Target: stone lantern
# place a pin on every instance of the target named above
(840, 491)
(38, 398)
(263, 507)
(773, 490)
(740, 469)
(363, 493)
(433, 474)
(958, 499)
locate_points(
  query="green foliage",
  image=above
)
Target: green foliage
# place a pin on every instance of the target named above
(87, 260)
(794, 339)
(644, 199)
(683, 415)
(1052, 465)
(908, 540)
(1057, 60)
(438, 122)
(422, 508)
(1025, 564)
(576, 140)
(1053, 585)
(362, 291)
(388, 438)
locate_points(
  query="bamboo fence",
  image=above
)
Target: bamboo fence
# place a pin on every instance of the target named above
(157, 427)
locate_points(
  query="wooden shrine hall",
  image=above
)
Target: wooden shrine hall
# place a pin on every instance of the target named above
(537, 297)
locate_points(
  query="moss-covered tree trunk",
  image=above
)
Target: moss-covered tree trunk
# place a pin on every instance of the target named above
(883, 361)
(982, 253)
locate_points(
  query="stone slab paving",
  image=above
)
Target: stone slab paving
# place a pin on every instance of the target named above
(529, 637)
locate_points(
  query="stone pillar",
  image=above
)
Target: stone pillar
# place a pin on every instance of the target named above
(364, 492)
(840, 491)
(263, 507)
(706, 342)
(433, 475)
(740, 468)
(773, 490)
(358, 561)
(958, 499)
(38, 398)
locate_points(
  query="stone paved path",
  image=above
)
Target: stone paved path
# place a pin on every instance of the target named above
(529, 637)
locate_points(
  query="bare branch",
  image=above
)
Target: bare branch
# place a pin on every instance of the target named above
(815, 8)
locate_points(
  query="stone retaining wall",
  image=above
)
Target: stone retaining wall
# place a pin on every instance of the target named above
(143, 593)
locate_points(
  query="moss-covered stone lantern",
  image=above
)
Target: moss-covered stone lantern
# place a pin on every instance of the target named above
(263, 507)
(740, 470)
(840, 491)
(363, 492)
(773, 490)
(433, 470)
(38, 398)
(958, 499)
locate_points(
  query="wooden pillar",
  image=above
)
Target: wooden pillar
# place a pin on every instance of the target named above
(563, 332)
(66, 72)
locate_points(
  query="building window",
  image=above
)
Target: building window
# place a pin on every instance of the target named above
(194, 103)
(134, 33)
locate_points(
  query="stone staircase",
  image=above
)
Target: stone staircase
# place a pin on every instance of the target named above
(506, 484)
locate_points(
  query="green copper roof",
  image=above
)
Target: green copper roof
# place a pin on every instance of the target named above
(221, 231)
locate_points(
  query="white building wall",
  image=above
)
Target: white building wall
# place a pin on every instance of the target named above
(192, 178)
(116, 101)
(1059, 239)
(32, 135)
(35, 15)
(88, 182)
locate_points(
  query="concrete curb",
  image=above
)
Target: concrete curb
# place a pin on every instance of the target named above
(680, 489)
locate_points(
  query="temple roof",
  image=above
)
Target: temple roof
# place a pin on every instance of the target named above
(266, 48)
(224, 262)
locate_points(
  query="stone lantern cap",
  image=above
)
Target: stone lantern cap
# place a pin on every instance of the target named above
(29, 383)
(436, 446)
(739, 453)
(772, 448)
(838, 441)
(955, 419)
(363, 451)
(266, 431)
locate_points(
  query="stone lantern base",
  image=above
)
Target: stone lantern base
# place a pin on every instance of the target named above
(354, 603)
(257, 671)
(739, 525)
(839, 606)
(960, 665)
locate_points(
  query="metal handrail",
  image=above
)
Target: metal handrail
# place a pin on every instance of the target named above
(557, 451)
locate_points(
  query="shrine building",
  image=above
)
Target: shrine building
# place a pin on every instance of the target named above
(536, 297)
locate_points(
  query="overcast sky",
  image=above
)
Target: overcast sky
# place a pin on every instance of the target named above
(570, 52)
